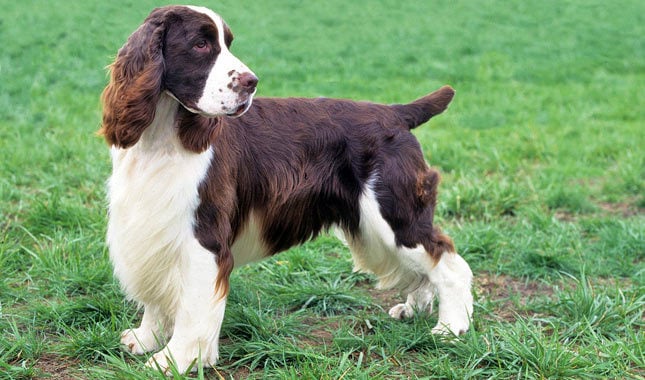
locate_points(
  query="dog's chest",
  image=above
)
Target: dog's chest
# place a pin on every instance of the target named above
(153, 195)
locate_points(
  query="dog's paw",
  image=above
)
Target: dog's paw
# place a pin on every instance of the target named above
(165, 361)
(168, 364)
(400, 311)
(139, 341)
(161, 362)
(455, 328)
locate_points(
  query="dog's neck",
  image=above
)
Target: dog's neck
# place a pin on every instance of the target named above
(161, 134)
(196, 132)
(176, 129)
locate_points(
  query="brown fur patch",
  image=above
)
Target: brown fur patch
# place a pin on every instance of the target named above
(427, 184)
(130, 98)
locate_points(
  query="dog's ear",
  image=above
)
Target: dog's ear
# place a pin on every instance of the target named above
(136, 80)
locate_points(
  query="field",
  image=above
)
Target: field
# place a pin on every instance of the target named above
(542, 155)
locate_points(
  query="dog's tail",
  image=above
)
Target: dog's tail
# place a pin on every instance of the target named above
(421, 110)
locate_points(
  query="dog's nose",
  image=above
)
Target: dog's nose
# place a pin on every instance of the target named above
(248, 81)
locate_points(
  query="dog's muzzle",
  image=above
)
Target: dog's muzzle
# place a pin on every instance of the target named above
(246, 86)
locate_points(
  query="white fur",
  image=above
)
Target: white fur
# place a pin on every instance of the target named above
(452, 279)
(153, 195)
(199, 316)
(150, 335)
(218, 97)
(375, 249)
(249, 246)
(412, 270)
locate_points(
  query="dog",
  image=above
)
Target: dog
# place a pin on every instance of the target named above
(206, 178)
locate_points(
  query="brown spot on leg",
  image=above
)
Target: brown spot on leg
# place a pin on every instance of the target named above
(439, 244)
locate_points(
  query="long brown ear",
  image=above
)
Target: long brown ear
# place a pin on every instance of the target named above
(130, 98)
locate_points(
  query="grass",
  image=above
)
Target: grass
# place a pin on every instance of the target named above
(542, 160)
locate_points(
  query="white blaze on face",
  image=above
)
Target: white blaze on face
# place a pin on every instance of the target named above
(219, 96)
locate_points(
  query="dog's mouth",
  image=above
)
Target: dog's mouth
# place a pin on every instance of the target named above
(236, 112)
(241, 109)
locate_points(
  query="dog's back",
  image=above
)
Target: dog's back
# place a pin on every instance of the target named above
(301, 165)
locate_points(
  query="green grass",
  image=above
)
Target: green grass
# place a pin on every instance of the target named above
(542, 156)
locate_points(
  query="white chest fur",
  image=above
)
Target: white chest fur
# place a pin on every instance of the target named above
(153, 194)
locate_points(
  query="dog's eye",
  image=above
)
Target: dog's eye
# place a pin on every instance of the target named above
(201, 46)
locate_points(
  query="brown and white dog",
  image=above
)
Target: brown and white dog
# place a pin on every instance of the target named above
(202, 182)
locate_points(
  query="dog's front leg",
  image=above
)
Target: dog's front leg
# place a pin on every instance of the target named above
(149, 335)
(199, 315)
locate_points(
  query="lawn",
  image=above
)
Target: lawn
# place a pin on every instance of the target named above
(542, 154)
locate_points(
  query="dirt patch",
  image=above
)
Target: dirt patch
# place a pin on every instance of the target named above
(624, 209)
(564, 216)
(501, 286)
(385, 298)
(510, 295)
(319, 336)
(318, 331)
(55, 367)
(238, 373)
(620, 209)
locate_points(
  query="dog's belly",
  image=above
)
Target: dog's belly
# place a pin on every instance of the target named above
(249, 246)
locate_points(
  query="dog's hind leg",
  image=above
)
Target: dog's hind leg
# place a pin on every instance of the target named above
(425, 271)
(449, 280)
(452, 279)
(447, 276)
(418, 300)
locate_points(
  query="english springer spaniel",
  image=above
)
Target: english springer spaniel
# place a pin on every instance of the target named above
(203, 182)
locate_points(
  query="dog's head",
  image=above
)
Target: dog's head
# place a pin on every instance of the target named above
(184, 52)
